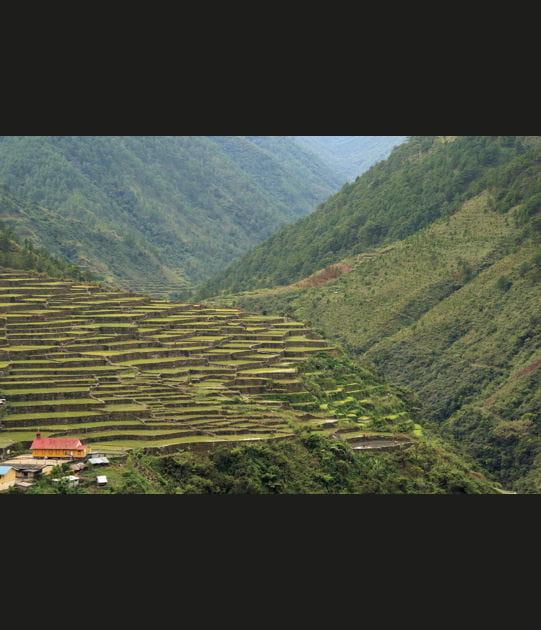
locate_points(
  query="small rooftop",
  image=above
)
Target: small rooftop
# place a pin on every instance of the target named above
(28, 461)
(98, 460)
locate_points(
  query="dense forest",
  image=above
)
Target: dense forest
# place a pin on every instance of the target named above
(272, 160)
(137, 210)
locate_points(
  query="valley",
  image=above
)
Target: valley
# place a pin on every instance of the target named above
(350, 156)
(155, 213)
(218, 315)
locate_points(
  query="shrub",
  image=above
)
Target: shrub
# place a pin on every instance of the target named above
(503, 283)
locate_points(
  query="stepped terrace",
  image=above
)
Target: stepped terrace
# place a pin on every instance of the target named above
(120, 370)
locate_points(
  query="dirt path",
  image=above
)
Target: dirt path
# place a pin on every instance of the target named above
(504, 491)
(373, 444)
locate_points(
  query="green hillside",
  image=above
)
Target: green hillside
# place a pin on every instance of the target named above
(423, 179)
(451, 313)
(350, 155)
(156, 213)
(392, 346)
(17, 255)
(307, 463)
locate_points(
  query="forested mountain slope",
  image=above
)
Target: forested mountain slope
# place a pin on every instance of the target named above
(15, 254)
(291, 174)
(423, 179)
(350, 155)
(144, 210)
(452, 314)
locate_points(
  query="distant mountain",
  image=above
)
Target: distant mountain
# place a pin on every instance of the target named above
(350, 156)
(158, 212)
(289, 173)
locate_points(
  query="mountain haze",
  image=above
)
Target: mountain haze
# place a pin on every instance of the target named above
(350, 156)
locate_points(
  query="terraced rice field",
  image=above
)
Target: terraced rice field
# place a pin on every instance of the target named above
(120, 370)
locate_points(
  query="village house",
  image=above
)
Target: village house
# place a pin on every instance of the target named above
(7, 477)
(58, 447)
(27, 469)
(28, 473)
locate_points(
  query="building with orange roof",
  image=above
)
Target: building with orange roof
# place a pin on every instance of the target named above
(58, 447)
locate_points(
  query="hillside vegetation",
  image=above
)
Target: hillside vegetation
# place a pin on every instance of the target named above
(451, 312)
(422, 180)
(293, 175)
(307, 463)
(157, 213)
(25, 255)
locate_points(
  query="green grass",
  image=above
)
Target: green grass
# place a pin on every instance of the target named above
(81, 426)
(123, 407)
(54, 403)
(23, 348)
(52, 414)
(268, 371)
